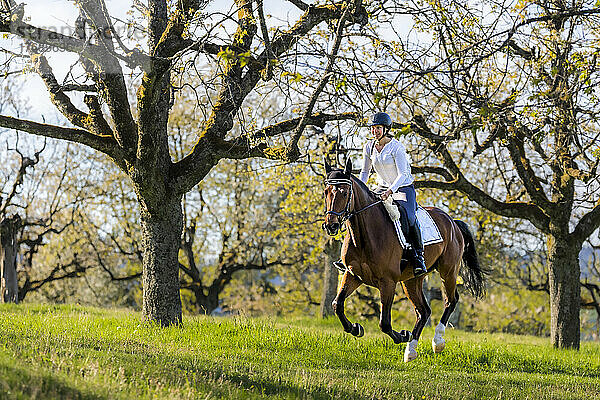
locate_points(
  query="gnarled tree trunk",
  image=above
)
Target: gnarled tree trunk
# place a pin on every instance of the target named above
(565, 291)
(330, 277)
(161, 233)
(9, 288)
(207, 303)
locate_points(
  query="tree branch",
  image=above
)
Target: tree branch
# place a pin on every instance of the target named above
(193, 167)
(444, 173)
(104, 144)
(293, 152)
(437, 144)
(300, 4)
(587, 224)
(172, 40)
(26, 162)
(110, 76)
(34, 285)
(531, 182)
(51, 39)
(63, 103)
(265, 33)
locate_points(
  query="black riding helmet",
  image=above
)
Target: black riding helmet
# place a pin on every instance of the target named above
(381, 118)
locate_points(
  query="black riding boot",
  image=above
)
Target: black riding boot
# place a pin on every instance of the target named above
(417, 244)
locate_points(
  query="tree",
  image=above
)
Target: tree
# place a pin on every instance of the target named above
(10, 227)
(591, 283)
(25, 221)
(233, 218)
(512, 87)
(179, 34)
(330, 277)
(9, 289)
(39, 204)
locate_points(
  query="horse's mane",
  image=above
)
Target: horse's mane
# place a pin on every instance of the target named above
(364, 187)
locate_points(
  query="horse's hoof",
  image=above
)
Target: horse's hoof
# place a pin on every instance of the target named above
(438, 344)
(408, 357)
(410, 353)
(358, 330)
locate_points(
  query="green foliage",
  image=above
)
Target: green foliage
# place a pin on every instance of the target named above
(517, 311)
(76, 352)
(294, 77)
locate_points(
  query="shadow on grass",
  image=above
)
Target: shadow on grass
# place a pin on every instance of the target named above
(225, 382)
(265, 387)
(168, 369)
(19, 382)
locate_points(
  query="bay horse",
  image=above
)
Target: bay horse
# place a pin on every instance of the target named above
(372, 254)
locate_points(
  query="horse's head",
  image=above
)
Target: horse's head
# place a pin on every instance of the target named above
(338, 197)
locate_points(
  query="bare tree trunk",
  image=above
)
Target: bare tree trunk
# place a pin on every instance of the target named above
(565, 292)
(206, 303)
(211, 303)
(9, 288)
(161, 234)
(330, 277)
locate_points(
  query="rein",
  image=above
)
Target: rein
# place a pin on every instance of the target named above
(352, 214)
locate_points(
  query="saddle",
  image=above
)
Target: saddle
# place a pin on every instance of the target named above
(430, 233)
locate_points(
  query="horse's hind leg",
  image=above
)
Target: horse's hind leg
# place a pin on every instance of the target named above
(451, 299)
(349, 284)
(414, 291)
(387, 289)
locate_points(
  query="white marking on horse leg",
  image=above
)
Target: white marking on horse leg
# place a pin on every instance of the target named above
(410, 353)
(438, 343)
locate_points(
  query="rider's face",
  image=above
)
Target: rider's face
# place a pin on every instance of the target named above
(377, 131)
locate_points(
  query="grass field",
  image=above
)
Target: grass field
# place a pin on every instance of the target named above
(73, 352)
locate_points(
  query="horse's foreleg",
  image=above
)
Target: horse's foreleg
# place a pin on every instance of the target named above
(388, 290)
(349, 284)
(414, 291)
(451, 299)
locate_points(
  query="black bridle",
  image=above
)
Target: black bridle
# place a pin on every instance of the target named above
(346, 214)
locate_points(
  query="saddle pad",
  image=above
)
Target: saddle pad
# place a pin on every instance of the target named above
(430, 234)
(401, 239)
(429, 230)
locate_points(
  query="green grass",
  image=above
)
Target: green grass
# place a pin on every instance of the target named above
(73, 352)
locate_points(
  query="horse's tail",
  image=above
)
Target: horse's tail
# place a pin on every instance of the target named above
(474, 276)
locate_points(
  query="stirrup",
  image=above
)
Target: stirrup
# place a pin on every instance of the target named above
(419, 265)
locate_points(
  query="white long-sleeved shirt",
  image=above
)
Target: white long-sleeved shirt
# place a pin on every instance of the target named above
(392, 165)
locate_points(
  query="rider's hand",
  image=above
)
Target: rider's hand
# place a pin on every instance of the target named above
(386, 194)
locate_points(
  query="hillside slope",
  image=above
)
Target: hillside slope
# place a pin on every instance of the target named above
(73, 352)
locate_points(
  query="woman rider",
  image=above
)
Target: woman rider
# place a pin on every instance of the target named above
(390, 161)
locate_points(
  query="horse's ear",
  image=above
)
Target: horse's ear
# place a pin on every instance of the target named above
(327, 166)
(348, 169)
